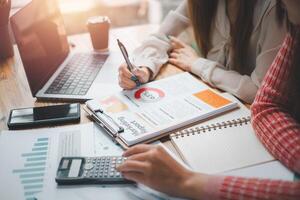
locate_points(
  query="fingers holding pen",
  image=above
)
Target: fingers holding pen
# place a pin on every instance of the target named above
(124, 71)
(125, 78)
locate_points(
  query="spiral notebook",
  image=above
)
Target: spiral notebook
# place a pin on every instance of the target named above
(220, 147)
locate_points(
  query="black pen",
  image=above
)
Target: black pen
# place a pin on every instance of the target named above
(129, 65)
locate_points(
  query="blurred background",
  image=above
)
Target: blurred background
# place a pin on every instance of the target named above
(121, 12)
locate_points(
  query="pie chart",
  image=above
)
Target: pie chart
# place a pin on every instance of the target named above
(150, 95)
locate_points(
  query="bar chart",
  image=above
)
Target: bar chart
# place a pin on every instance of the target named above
(32, 174)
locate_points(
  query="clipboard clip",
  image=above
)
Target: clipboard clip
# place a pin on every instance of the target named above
(106, 122)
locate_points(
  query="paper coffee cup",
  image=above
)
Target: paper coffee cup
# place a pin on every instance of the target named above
(98, 27)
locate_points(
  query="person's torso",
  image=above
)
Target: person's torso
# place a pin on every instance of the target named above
(221, 50)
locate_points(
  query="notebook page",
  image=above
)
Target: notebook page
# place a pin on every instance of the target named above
(222, 150)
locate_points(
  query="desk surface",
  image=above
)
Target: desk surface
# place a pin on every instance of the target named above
(14, 88)
(15, 92)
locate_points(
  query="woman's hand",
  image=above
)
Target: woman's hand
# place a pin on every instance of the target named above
(154, 167)
(125, 76)
(182, 55)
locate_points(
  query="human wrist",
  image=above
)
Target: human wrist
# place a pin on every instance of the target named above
(192, 63)
(149, 73)
(193, 184)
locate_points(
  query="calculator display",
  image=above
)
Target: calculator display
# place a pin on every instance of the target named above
(75, 167)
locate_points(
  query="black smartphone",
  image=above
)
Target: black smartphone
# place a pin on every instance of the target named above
(43, 116)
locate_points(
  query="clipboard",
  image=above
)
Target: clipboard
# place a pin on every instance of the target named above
(107, 124)
(113, 129)
(147, 113)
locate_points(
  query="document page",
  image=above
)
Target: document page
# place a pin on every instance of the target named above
(29, 159)
(162, 105)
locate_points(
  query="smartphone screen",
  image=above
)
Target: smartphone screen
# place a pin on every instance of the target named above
(28, 115)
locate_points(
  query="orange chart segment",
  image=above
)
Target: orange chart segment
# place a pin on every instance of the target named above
(212, 99)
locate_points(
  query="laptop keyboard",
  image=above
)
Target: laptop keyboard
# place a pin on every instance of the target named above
(78, 75)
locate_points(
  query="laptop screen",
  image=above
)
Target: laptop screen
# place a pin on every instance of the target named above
(41, 38)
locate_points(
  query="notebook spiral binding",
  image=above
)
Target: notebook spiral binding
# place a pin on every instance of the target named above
(211, 127)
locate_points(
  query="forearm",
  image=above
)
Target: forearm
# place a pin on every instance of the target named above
(207, 187)
(200, 186)
(277, 129)
(153, 52)
(176, 21)
(242, 86)
(271, 117)
(262, 189)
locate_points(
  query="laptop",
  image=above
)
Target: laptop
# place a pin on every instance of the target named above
(54, 71)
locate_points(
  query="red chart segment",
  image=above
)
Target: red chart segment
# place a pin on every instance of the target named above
(149, 94)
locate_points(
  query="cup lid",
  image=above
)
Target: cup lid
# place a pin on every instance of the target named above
(98, 19)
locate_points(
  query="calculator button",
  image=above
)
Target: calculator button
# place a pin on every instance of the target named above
(88, 166)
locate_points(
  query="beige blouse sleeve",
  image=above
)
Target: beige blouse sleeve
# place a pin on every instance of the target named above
(153, 52)
(243, 86)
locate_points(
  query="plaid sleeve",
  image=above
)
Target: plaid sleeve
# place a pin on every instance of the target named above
(277, 130)
(274, 126)
(237, 188)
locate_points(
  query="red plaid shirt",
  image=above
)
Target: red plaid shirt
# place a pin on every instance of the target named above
(279, 133)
